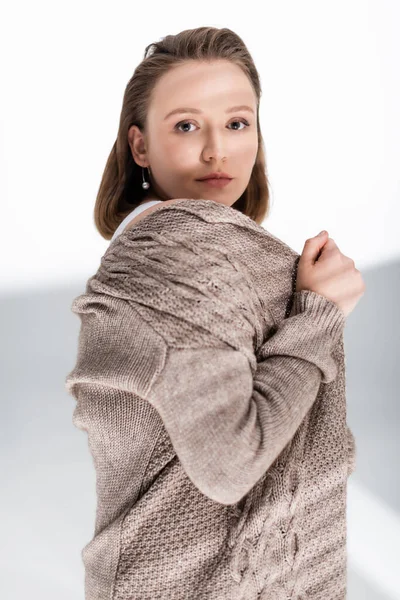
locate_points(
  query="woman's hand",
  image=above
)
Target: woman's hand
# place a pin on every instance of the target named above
(325, 270)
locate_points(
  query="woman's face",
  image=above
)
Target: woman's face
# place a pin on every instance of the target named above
(181, 148)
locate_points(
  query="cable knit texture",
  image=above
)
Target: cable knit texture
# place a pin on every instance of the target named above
(213, 396)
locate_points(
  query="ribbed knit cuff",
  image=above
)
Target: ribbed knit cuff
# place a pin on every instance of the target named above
(310, 332)
(323, 311)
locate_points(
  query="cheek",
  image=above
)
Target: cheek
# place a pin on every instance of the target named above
(172, 151)
(247, 150)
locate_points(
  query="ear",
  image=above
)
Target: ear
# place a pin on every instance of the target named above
(136, 142)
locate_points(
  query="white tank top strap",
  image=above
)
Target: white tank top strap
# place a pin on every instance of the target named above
(131, 216)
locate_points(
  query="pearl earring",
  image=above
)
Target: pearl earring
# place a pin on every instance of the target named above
(145, 184)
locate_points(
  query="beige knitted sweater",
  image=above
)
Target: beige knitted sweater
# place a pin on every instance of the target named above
(214, 400)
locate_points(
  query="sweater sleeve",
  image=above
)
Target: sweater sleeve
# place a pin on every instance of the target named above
(228, 424)
(229, 407)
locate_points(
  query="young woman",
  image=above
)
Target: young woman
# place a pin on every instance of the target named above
(210, 374)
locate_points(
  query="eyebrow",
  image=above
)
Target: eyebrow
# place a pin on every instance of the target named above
(185, 109)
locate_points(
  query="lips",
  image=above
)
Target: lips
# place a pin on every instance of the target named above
(214, 182)
(216, 175)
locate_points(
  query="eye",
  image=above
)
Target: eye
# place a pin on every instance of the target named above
(245, 123)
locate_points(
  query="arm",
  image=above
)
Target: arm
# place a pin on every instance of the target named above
(228, 425)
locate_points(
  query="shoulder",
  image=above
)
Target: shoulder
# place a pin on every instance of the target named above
(151, 209)
(184, 277)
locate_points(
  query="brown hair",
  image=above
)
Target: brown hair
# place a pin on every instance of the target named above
(121, 184)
